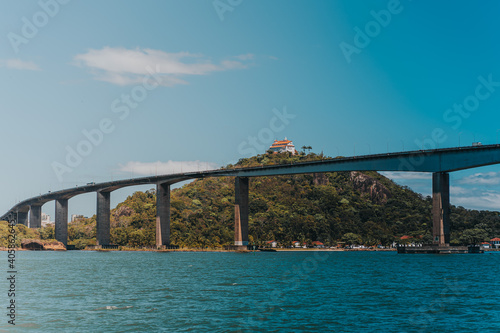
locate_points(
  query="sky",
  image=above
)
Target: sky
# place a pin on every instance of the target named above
(93, 91)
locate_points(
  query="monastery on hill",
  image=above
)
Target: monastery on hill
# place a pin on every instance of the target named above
(283, 146)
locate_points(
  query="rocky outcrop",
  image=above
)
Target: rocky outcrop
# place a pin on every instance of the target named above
(320, 179)
(37, 244)
(377, 192)
(123, 211)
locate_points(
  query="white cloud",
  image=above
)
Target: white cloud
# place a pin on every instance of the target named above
(457, 190)
(247, 56)
(406, 175)
(161, 168)
(485, 200)
(19, 64)
(129, 66)
(482, 178)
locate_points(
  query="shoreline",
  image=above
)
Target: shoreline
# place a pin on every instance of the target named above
(126, 249)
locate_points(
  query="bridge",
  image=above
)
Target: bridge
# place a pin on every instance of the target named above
(439, 162)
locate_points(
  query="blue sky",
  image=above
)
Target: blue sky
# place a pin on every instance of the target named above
(144, 87)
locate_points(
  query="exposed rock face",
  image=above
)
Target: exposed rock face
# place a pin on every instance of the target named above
(123, 211)
(120, 216)
(365, 184)
(320, 179)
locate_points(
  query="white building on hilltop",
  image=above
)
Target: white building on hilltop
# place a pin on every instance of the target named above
(283, 146)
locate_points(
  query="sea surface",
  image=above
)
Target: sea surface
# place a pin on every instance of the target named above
(86, 291)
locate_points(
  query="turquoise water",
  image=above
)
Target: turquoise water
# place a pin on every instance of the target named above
(80, 291)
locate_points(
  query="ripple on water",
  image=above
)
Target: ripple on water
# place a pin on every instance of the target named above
(207, 292)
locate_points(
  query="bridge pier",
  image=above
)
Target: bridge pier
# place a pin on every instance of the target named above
(22, 218)
(103, 218)
(441, 208)
(162, 214)
(241, 211)
(35, 216)
(61, 227)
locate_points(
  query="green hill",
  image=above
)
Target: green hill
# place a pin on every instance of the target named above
(352, 206)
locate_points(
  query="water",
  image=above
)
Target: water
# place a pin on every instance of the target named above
(80, 291)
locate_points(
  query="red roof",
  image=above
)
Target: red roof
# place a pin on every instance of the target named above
(281, 144)
(406, 237)
(317, 243)
(485, 243)
(268, 242)
(496, 239)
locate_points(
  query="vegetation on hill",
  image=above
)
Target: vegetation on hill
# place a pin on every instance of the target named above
(353, 207)
(22, 232)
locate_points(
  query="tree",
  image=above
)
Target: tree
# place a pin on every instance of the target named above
(351, 238)
(47, 233)
(304, 148)
(473, 236)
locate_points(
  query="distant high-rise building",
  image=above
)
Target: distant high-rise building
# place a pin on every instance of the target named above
(75, 217)
(46, 220)
(283, 146)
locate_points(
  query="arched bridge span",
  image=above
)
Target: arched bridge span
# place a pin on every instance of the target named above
(437, 161)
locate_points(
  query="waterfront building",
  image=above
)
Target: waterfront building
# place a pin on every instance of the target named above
(272, 243)
(495, 243)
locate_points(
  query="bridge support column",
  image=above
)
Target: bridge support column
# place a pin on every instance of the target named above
(35, 216)
(102, 220)
(22, 218)
(61, 229)
(241, 211)
(441, 208)
(162, 214)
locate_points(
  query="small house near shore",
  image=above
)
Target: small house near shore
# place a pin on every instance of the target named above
(272, 243)
(495, 243)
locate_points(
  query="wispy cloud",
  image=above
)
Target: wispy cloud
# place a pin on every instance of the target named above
(128, 66)
(19, 64)
(247, 56)
(160, 168)
(482, 178)
(457, 190)
(484, 200)
(407, 175)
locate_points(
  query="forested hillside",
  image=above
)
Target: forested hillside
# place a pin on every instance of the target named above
(355, 207)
